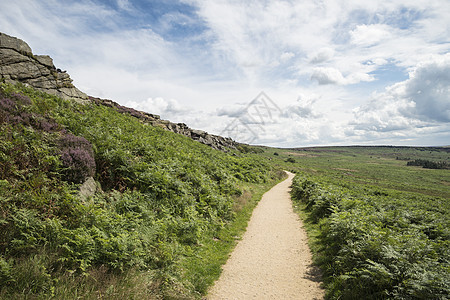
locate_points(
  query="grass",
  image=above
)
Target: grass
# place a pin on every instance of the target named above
(99, 283)
(384, 167)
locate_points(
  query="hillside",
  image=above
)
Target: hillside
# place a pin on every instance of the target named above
(95, 195)
(149, 197)
(381, 166)
(18, 64)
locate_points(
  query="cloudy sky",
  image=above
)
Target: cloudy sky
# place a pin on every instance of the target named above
(278, 73)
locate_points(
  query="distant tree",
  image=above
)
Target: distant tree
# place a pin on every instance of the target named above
(428, 164)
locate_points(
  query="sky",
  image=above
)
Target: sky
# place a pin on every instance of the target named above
(277, 73)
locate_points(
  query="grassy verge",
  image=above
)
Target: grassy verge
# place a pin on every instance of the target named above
(312, 230)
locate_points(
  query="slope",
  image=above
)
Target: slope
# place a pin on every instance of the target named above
(155, 195)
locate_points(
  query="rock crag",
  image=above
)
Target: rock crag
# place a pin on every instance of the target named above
(214, 141)
(19, 64)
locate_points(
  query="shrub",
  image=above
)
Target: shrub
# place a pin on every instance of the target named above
(21, 99)
(80, 164)
(244, 148)
(77, 157)
(290, 160)
(13, 111)
(10, 112)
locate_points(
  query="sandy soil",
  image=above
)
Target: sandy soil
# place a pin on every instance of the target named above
(272, 261)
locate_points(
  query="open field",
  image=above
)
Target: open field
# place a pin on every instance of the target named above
(384, 167)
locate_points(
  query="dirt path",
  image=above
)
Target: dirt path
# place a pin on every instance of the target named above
(272, 261)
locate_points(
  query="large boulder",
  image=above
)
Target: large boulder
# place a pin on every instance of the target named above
(9, 42)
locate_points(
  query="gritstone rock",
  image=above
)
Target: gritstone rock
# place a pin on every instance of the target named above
(18, 64)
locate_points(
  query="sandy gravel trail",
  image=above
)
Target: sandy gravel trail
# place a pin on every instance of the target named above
(272, 261)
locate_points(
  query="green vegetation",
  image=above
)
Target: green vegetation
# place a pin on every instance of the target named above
(160, 197)
(383, 166)
(165, 211)
(379, 229)
(376, 244)
(429, 164)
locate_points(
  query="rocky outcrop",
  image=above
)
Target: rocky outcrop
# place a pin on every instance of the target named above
(19, 64)
(214, 141)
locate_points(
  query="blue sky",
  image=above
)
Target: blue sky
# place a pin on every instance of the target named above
(339, 72)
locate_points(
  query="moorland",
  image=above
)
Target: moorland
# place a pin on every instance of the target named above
(164, 211)
(378, 225)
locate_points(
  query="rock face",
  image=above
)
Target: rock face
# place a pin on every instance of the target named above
(18, 64)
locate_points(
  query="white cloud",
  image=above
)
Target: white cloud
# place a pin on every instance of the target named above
(303, 108)
(386, 113)
(379, 61)
(167, 109)
(125, 5)
(322, 55)
(327, 75)
(369, 35)
(169, 21)
(422, 101)
(429, 88)
(232, 111)
(286, 56)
